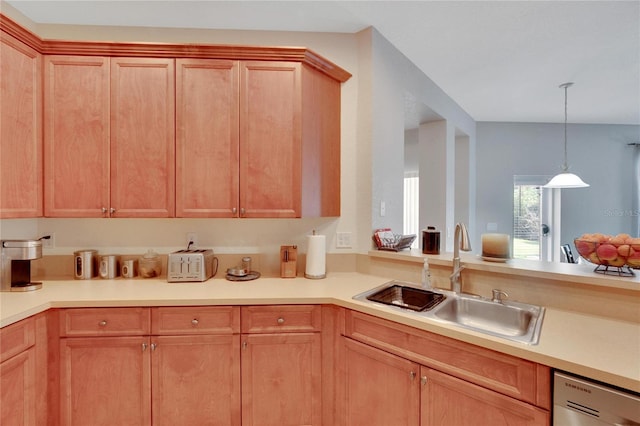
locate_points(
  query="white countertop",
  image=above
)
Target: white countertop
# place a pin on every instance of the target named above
(600, 348)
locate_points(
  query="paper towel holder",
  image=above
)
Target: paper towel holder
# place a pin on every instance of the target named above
(316, 257)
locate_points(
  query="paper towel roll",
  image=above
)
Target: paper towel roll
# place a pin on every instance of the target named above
(316, 258)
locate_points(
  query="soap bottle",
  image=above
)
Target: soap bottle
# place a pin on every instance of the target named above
(426, 275)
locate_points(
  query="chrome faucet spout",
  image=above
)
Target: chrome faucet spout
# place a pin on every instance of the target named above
(461, 241)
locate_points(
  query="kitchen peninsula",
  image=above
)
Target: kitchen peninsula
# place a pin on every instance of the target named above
(595, 345)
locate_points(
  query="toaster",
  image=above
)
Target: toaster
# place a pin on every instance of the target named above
(191, 265)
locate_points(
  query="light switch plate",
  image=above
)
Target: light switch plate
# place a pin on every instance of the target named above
(343, 239)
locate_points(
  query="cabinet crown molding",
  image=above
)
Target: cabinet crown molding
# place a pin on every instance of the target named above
(173, 50)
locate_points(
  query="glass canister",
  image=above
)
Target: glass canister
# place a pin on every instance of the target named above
(150, 265)
(430, 240)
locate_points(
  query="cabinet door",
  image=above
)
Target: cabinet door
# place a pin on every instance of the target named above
(447, 400)
(105, 381)
(142, 137)
(18, 390)
(380, 388)
(76, 136)
(20, 129)
(196, 380)
(281, 381)
(207, 132)
(270, 139)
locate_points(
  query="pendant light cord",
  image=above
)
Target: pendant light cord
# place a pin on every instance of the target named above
(565, 86)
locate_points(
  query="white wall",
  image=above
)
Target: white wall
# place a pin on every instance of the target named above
(393, 75)
(432, 155)
(599, 154)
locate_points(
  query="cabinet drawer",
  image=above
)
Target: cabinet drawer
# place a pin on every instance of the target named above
(16, 338)
(506, 374)
(195, 320)
(105, 322)
(281, 318)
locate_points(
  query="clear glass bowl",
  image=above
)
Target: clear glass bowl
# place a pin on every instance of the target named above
(150, 265)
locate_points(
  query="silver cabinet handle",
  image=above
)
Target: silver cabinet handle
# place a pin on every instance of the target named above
(423, 380)
(234, 210)
(194, 321)
(154, 346)
(412, 375)
(242, 211)
(112, 210)
(280, 320)
(144, 347)
(104, 210)
(244, 345)
(102, 323)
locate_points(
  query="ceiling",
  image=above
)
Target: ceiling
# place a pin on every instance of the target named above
(499, 60)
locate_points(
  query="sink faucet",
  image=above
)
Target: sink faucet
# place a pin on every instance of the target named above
(460, 242)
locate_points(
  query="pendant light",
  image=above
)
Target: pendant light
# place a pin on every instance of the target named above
(565, 179)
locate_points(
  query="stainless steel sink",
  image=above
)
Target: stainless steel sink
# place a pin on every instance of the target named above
(519, 322)
(512, 320)
(407, 297)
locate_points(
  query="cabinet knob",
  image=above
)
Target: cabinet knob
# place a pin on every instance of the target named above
(144, 347)
(423, 380)
(280, 320)
(412, 375)
(102, 323)
(104, 210)
(242, 211)
(194, 322)
(154, 346)
(244, 345)
(112, 210)
(234, 210)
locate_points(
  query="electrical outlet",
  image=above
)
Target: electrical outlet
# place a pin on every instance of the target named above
(343, 239)
(192, 239)
(50, 242)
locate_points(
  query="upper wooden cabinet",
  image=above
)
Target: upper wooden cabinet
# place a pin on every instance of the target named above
(142, 137)
(20, 129)
(207, 138)
(241, 131)
(270, 160)
(256, 139)
(109, 137)
(76, 136)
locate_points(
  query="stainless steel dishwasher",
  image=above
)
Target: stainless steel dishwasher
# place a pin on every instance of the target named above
(580, 402)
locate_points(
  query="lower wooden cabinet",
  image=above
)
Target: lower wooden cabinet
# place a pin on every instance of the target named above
(195, 380)
(380, 389)
(105, 381)
(384, 389)
(285, 365)
(184, 375)
(17, 390)
(281, 380)
(446, 400)
(24, 372)
(281, 371)
(395, 374)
